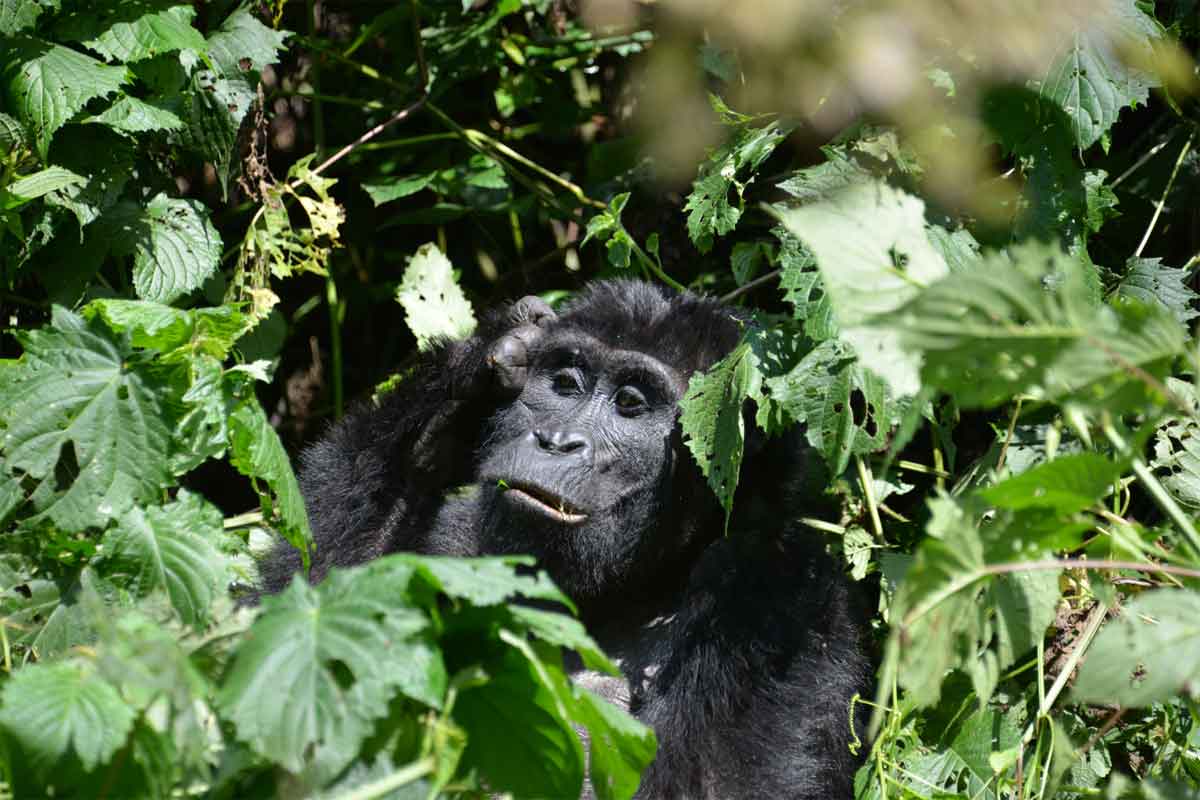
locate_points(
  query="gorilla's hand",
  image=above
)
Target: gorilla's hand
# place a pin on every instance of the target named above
(508, 355)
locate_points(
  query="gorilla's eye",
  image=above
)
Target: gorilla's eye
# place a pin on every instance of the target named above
(630, 401)
(565, 382)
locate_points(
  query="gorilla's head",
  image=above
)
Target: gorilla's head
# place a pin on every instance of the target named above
(585, 468)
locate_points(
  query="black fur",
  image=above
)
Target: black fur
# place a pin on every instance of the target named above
(742, 652)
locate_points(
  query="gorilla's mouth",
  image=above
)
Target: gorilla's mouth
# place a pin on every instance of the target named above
(543, 501)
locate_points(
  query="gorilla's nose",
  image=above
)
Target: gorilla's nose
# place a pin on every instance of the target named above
(563, 441)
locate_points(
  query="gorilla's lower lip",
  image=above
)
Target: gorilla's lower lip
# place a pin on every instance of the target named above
(545, 502)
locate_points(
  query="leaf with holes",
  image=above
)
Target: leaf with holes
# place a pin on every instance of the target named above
(846, 408)
(1149, 281)
(243, 44)
(874, 256)
(434, 306)
(169, 548)
(1091, 80)
(174, 245)
(82, 417)
(47, 84)
(50, 708)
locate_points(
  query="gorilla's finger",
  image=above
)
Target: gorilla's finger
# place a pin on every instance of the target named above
(509, 358)
(531, 309)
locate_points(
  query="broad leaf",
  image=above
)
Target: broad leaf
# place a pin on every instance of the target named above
(169, 548)
(870, 244)
(50, 708)
(1148, 654)
(135, 31)
(18, 15)
(48, 84)
(39, 183)
(173, 244)
(1066, 485)
(130, 115)
(1090, 80)
(83, 417)
(481, 581)
(434, 306)
(243, 44)
(338, 654)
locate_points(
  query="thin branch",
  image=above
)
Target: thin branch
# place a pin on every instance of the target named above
(751, 286)
(1166, 190)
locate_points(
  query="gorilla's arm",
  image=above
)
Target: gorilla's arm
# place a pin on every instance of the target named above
(376, 479)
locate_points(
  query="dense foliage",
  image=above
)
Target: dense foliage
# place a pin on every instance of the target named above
(973, 276)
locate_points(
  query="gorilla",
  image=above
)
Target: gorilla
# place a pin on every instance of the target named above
(556, 435)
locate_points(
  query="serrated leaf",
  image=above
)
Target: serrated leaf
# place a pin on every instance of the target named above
(339, 653)
(745, 261)
(154, 326)
(12, 135)
(1091, 82)
(47, 84)
(213, 111)
(870, 244)
(84, 418)
(434, 305)
(50, 708)
(621, 747)
(845, 407)
(1026, 322)
(131, 115)
(1148, 654)
(1148, 281)
(484, 581)
(562, 631)
(712, 423)
(174, 246)
(133, 31)
(257, 452)
(244, 44)
(169, 548)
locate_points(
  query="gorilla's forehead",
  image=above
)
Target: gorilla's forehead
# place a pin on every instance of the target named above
(568, 345)
(681, 330)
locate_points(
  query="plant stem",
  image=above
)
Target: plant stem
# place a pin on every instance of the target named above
(401, 777)
(337, 312)
(1166, 190)
(868, 485)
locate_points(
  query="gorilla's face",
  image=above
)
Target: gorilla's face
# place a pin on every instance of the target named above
(579, 467)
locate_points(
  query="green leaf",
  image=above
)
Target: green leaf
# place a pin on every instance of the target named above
(47, 84)
(1090, 80)
(135, 31)
(1148, 281)
(83, 417)
(846, 408)
(257, 452)
(1026, 322)
(483, 581)
(1148, 654)
(338, 653)
(174, 246)
(395, 188)
(562, 631)
(1065, 485)
(169, 548)
(435, 307)
(130, 115)
(539, 755)
(621, 747)
(870, 244)
(712, 423)
(213, 111)
(244, 44)
(18, 15)
(50, 708)
(154, 326)
(39, 183)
